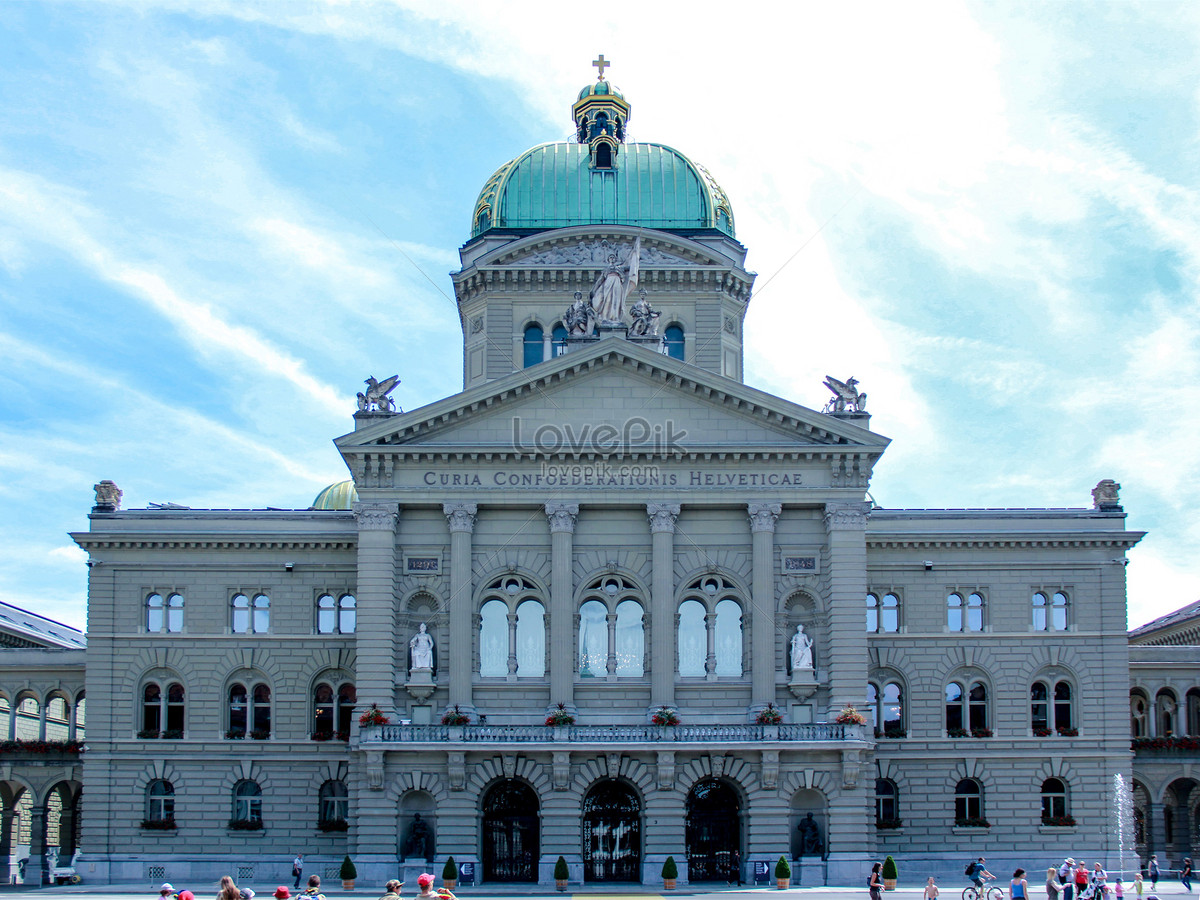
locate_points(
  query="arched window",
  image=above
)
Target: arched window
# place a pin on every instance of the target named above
(260, 721)
(610, 629)
(603, 155)
(160, 802)
(692, 638)
(558, 340)
(1139, 719)
(333, 707)
(883, 613)
(336, 616)
(1039, 709)
(593, 640)
(164, 615)
(333, 806)
(631, 640)
(891, 710)
(1040, 622)
(1063, 714)
(250, 616)
(518, 651)
(728, 628)
(1193, 711)
(249, 711)
(673, 342)
(967, 710)
(968, 803)
(1058, 611)
(162, 711)
(964, 615)
(1165, 709)
(1054, 802)
(710, 629)
(29, 720)
(1051, 707)
(533, 345)
(531, 639)
(887, 804)
(247, 803)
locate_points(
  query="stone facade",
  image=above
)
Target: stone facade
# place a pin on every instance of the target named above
(612, 530)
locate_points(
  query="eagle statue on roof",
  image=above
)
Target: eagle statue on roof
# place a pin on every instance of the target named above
(846, 396)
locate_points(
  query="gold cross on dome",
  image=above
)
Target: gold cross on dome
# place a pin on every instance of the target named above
(601, 64)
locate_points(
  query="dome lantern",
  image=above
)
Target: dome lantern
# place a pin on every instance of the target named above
(601, 114)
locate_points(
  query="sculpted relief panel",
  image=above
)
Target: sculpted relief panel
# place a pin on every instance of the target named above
(596, 253)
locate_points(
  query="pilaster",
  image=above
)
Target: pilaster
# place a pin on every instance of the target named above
(561, 519)
(846, 665)
(461, 519)
(762, 661)
(375, 608)
(662, 518)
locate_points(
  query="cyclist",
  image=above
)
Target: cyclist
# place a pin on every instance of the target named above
(979, 872)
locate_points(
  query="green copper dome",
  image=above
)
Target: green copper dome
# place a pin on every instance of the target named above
(601, 87)
(558, 185)
(339, 495)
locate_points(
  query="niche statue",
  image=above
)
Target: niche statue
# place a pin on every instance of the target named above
(810, 837)
(419, 843)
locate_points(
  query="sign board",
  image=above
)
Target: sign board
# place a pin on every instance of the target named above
(762, 872)
(466, 873)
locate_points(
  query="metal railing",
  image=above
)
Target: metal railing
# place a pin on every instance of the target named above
(609, 734)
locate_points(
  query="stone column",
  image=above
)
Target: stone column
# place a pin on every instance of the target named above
(710, 646)
(846, 662)
(610, 665)
(36, 869)
(762, 659)
(461, 518)
(561, 519)
(662, 518)
(375, 608)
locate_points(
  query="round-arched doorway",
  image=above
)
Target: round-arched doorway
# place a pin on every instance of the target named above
(510, 833)
(612, 833)
(713, 832)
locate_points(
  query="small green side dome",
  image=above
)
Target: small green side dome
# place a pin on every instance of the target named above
(339, 495)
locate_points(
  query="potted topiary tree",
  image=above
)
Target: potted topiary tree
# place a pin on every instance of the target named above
(348, 874)
(561, 874)
(889, 874)
(783, 874)
(450, 874)
(669, 873)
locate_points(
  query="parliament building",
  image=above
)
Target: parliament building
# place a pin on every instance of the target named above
(608, 603)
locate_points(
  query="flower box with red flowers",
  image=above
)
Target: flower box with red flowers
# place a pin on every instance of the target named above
(981, 732)
(1041, 732)
(560, 716)
(39, 748)
(456, 716)
(373, 716)
(889, 824)
(1058, 821)
(1068, 732)
(850, 716)
(167, 824)
(769, 716)
(972, 822)
(665, 715)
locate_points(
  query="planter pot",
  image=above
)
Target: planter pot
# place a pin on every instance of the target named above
(560, 883)
(450, 883)
(347, 884)
(783, 883)
(669, 884)
(889, 884)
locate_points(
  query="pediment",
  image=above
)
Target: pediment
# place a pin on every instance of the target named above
(614, 399)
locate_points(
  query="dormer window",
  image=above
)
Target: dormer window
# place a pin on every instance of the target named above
(603, 156)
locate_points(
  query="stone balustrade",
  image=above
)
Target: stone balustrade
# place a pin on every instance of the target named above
(821, 732)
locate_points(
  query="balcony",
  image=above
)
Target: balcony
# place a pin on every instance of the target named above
(827, 735)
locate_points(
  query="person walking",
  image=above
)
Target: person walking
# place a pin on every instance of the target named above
(1099, 881)
(931, 889)
(1018, 888)
(1066, 877)
(1081, 879)
(1053, 886)
(875, 882)
(425, 883)
(1153, 869)
(1185, 874)
(1137, 884)
(392, 890)
(297, 869)
(313, 891)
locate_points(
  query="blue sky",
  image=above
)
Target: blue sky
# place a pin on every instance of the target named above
(217, 218)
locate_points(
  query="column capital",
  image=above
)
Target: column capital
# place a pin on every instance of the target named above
(850, 516)
(460, 516)
(662, 517)
(561, 517)
(376, 515)
(763, 516)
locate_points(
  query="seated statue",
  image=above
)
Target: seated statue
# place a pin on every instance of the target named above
(810, 837)
(419, 835)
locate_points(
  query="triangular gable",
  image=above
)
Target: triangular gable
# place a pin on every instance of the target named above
(608, 383)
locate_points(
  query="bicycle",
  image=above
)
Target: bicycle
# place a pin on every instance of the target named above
(987, 892)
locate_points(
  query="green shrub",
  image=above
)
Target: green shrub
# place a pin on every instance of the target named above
(889, 869)
(450, 870)
(782, 869)
(561, 872)
(348, 873)
(670, 870)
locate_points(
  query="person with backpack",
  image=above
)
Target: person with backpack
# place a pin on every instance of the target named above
(1185, 874)
(875, 882)
(1153, 868)
(977, 872)
(1066, 877)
